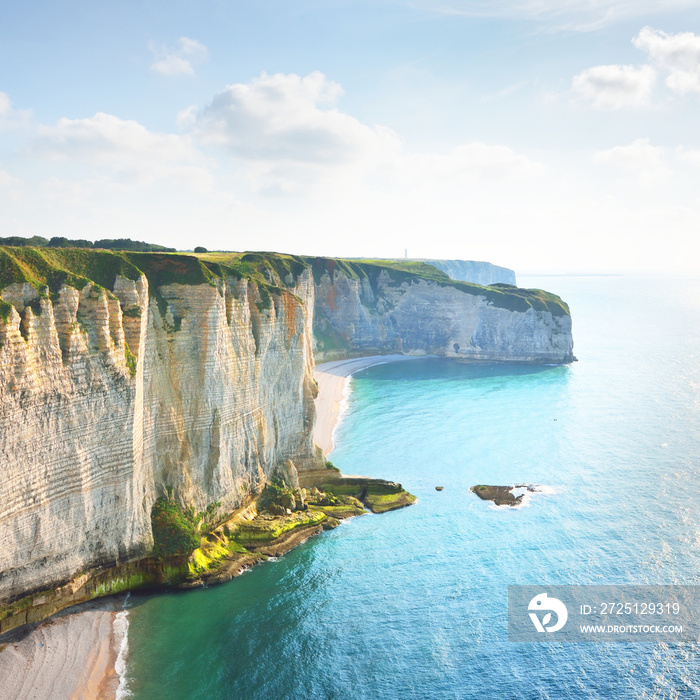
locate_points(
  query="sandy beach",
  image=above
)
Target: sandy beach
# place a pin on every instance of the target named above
(71, 656)
(332, 378)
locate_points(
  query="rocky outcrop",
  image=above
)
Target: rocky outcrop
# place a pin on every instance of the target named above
(476, 272)
(364, 308)
(111, 398)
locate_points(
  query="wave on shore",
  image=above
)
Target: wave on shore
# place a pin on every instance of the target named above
(121, 634)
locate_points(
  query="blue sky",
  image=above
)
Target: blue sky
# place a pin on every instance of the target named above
(541, 135)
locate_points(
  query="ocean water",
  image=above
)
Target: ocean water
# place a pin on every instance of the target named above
(412, 604)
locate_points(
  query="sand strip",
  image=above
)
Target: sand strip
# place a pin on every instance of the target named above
(332, 378)
(71, 656)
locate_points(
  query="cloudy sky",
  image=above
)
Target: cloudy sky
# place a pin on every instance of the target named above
(544, 135)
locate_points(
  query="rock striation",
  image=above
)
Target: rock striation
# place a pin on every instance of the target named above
(411, 308)
(108, 398)
(129, 377)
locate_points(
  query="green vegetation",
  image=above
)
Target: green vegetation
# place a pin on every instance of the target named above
(5, 310)
(501, 295)
(48, 265)
(381, 502)
(62, 242)
(276, 494)
(175, 531)
(378, 495)
(116, 585)
(128, 244)
(256, 532)
(162, 268)
(210, 553)
(265, 298)
(327, 338)
(52, 267)
(130, 360)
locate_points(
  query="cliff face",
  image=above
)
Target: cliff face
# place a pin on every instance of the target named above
(107, 399)
(363, 308)
(476, 272)
(126, 376)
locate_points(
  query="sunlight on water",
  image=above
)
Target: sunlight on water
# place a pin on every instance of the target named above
(413, 603)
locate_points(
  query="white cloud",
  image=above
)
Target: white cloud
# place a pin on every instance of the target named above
(648, 163)
(11, 118)
(126, 148)
(689, 157)
(287, 118)
(615, 87)
(287, 136)
(180, 60)
(473, 164)
(581, 15)
(676, 54)
(6, 180)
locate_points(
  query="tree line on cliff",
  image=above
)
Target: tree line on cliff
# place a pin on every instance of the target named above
(103, 244)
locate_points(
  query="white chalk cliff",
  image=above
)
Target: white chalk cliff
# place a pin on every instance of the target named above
(111, 396)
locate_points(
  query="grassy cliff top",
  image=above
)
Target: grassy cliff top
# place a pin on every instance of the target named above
(49, 268)
(52, 267)
(501, 295)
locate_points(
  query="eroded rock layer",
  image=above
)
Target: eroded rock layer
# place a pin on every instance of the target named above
(106, 403)
(374, 308)
(126, 377)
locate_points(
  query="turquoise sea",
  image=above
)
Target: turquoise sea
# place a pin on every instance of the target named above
(412, 604)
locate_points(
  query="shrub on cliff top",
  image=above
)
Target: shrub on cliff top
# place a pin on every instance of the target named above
(174, 529)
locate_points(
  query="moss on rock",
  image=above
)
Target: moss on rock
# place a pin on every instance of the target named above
(261, 531)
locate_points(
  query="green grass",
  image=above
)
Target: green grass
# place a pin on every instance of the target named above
(130, 360)
(5, 311)
(256, 532)
(53, 267)
(503, 296)
(49, 268)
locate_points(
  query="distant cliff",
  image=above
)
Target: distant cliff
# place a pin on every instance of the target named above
(128, 376)
(483, 273)
(410, 307)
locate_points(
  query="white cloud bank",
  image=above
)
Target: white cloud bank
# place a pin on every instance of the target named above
(124, 148)
(225, 181)
(180, 60)
(288, 133)
(616, 87)
(286, 117)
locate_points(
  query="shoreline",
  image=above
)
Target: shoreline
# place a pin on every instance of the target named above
(72, 655)
(333, 381)
(80, 653)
